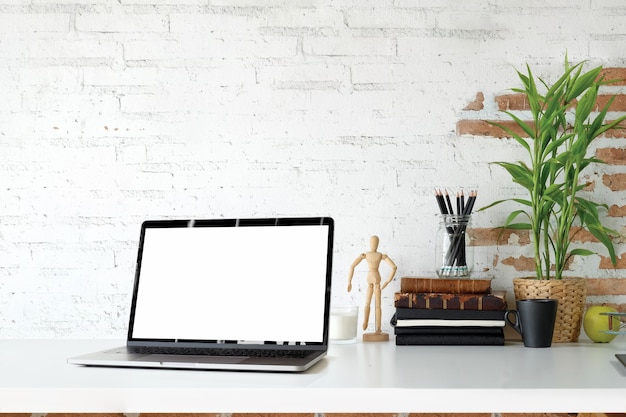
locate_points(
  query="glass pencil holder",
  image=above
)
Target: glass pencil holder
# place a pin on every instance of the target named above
(453, 253)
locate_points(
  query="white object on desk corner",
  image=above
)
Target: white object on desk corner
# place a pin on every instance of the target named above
(343, 324)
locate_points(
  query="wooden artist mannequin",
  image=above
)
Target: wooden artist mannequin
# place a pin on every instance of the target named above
(373, 259)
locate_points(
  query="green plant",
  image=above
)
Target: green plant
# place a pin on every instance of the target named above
(557, 141)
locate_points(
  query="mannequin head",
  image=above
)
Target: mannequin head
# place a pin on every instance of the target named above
(374, 243)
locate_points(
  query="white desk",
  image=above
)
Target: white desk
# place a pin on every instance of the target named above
(377, 377)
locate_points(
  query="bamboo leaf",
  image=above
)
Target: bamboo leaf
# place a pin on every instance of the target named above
(555, 144)
(518, 226)
(531, 91)
(609, 126)
(512, 134)
(561, 82)
(521, 201)
(514, 215)
(495, 203)
(519, 173)
(600, 233)
(553, 189)
(583, 82)
(581, 252)
(586, 104)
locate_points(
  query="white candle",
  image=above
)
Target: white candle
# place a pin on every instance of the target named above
(343, 324)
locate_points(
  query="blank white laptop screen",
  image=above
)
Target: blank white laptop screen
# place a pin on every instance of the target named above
(246, 284)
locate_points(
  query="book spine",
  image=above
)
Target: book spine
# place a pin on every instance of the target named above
(445, 285)
(414, 340)
(419, 313)
(429, 330)
(448, 301)
(449, 323)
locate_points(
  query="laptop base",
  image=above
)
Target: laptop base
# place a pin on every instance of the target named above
(125, 358)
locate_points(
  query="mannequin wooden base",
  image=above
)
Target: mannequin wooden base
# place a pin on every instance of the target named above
(375, 337)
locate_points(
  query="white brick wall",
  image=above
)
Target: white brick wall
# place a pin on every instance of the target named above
(116, 111)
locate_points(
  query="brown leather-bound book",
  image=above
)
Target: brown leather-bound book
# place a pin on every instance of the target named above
(445, 285)
(445, 301)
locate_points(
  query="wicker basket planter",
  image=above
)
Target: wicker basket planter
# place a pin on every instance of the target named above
(571, 293)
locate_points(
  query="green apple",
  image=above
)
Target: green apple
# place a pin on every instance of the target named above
(595, 324)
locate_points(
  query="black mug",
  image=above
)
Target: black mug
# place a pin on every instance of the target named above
(534, 320)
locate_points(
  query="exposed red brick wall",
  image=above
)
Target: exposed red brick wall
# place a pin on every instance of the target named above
(616, 182)
(612, 156)
(543, 414)
(484, 128)
(615, 74)
(360, 415)
(617, 211)
(450, 415)
(188, 415)
(86, 415)
(618, 104)
(512, 102)
(496, 236)
(606, 286)
(78, 415)
(265, 415)
(478, 103)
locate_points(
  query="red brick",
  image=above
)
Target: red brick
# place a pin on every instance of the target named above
(449, 415)
(612, 156)
(522, 263)
(619, 102)
(485, 128)
(538, 415)
(512, 102)
(581, 235)
(497, 236)
(527, 264)
(606, 286)
(83, 415)
(590, 186)
(617, 211)
(184, 415)
(605, 262)
(477, 104)
(617, 74)
(616, 182)
(519, 102)
(358, 415)
(263, 415)
(619, 132)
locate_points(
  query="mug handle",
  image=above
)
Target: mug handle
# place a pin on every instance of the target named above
(515, 325)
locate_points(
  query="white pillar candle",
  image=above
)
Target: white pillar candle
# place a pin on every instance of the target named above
(343, 324)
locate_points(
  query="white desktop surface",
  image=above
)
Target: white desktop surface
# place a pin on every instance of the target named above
(363, 377)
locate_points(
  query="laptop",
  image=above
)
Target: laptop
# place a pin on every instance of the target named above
(228, 294)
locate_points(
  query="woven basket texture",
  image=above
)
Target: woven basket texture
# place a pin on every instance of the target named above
(571, 293)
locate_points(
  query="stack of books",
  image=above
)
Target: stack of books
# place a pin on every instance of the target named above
(448, 311)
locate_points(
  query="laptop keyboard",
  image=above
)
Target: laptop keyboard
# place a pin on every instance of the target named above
(255, 353)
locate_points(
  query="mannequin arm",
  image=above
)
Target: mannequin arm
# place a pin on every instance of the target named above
(351, 273)
(394, 268)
